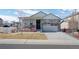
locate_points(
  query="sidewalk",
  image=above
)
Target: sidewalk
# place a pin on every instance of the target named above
(49, 42)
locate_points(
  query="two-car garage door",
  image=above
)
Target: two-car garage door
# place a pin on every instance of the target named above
(48, 28)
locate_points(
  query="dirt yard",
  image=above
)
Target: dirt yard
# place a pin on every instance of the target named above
(23, 35)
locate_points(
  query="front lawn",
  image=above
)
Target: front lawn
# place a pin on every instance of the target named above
(23, 35)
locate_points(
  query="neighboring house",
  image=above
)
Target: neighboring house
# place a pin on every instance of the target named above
(41, 22)
(7, 28)
(71, 22)
(6, 24)
(15, 25)
(1, 22)
(64, 25)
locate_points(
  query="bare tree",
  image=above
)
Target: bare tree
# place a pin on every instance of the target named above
(73, 23)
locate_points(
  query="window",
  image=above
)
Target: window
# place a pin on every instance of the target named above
(53, 24)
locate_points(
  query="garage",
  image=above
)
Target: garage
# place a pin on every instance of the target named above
(49, 28)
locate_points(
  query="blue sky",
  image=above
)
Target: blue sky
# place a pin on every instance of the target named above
(11, 14)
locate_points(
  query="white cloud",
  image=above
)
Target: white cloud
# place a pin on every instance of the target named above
(30, 11)
(26, 12)
(9, 18)
(8, 11)
(68, 10)
(16, 13)
(77, 10)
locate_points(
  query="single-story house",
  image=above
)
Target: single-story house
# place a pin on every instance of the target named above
(41, 22)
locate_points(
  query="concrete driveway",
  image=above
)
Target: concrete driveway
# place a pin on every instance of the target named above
(56, 38)
(59, 36)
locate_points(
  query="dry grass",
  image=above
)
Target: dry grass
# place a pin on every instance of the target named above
(24, 35)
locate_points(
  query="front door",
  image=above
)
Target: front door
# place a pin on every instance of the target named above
(38, 25)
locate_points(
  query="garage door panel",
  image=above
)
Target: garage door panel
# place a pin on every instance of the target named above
(50, 28)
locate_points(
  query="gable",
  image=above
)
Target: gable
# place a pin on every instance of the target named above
(38, 15)
(51, 16)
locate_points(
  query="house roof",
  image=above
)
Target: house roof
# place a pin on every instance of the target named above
(38, 15)
(1, 19)
(72, 15)
(51, 16)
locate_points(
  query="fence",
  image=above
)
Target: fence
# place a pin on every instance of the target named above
(8, 29)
